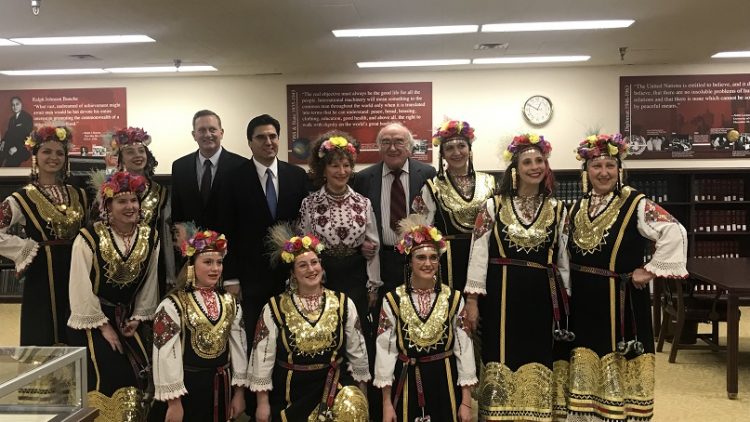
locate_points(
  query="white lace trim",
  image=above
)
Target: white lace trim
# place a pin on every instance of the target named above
(475, 287)
(381, 382)
(257, 384)
(143, 315)
(467, 381)
(667, 269)
(27, 254)
(83, 322)
(360, 374)
(240, 380)
(169, 391)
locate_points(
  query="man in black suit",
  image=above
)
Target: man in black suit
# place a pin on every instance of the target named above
(202, 189)
(12, 149)
(378, 183)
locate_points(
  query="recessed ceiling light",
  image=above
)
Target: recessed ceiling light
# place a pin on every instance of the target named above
(413, 63)
(413, 30)
(161, 69)
(97, 39)
(530, 59)
(731, 54)
(7, 43)
(46, 72)
(556, 26)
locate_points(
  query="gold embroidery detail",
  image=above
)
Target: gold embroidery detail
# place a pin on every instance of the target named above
(151, 202)
(350, 405)
(532, 238)
(589, 236)
(125, 405)
(64, 221)
(121, 272)
(425, 335)
(525, 394)
(461, 212)
(311, 339)
(208, 340)
(560, 375)
(611, 386)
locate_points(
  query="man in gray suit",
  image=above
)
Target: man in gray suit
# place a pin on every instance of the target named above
(391, 186)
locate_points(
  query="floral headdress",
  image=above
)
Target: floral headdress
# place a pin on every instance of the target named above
(523, 142)
(48, 133)
(128, 136)
(121, 182)
(601, 145)
(337, 142)
(416, 233)
(451, 129)
(285, 246)
(203, 241)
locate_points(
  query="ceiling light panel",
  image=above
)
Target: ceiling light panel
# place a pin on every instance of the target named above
(97, 39)
(48, 72)
(7, 43)
(414, 63)
(557, 26)
(530, 59)
(731, 54)
(406, 31)
(161, 69)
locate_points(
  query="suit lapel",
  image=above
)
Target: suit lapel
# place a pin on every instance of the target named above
(415, 176)
(194, 191)
(376, 180)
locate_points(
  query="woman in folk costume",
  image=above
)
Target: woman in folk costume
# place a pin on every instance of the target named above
(612, 363)
(518, 274)
(452, 199)
(309, 360)
(131, 145)
(51, 213)
(113, 287)
(424, 362)
(200, 348)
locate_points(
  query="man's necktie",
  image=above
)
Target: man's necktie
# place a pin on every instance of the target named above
(271, 193)
(206, 181)
(398, 200)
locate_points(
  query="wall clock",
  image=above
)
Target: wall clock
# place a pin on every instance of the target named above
(537, 110)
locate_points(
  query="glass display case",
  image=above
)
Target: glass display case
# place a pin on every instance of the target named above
(43, 384)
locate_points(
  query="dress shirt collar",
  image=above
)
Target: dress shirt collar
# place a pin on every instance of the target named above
(261, 169)
(214, 159)
(387, 170)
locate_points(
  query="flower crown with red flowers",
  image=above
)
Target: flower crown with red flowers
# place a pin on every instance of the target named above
(416, 233)
(49, 133)
(601, 145)
(297, 245)
(452, 129)
(204, 241)
(128, 136)
(523, 142)
(121, 182)
(337, 142)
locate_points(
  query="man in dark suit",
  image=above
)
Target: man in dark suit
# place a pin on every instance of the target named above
(379, 184)
(202, 188)
(13, 152)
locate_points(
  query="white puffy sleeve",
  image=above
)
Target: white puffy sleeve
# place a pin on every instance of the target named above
(238, 350)
(356, 351)
(85, 309)
(424, 204)
(167, 353)
(463, 349)
(20, 251)
(386, 347)
(371, 234)
(563, 255)
(263, 354)
(304, 218)
(148, 297)
(476, 278)
(670, 255)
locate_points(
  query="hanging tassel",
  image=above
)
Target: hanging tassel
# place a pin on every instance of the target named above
(584, 182)
(513, 178)
(34, 168)
(191, 276)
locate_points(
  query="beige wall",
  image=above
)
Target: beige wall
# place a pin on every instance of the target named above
(491, 100)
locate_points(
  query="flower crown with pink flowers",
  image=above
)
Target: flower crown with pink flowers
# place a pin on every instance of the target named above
(452, 129)
(129, 136)
(418, 235)
(121, 182)
(602, 145)
(204, 241)
(523, 142)
(44, 134)
(337, 142)
(297, 245)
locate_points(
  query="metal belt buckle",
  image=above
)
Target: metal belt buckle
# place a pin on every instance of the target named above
(623, 347)
(423, 419)
(326, 416)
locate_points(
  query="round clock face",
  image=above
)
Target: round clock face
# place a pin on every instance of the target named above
(537, 110)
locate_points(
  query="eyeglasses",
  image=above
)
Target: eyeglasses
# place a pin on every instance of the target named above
(387, 143)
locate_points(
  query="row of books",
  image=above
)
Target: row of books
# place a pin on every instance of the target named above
(713, 221)
(654, 189)
(717, 249)
(719, 190)
(9, 284)
(569, 191)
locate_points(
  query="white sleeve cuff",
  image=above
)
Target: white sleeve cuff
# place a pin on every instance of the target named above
(260, 384)
(83, 322)
(169, 391)
(380, 383)
(27, 254)
(360, 374)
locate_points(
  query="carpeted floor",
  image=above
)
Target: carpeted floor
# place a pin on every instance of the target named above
(691, 389)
